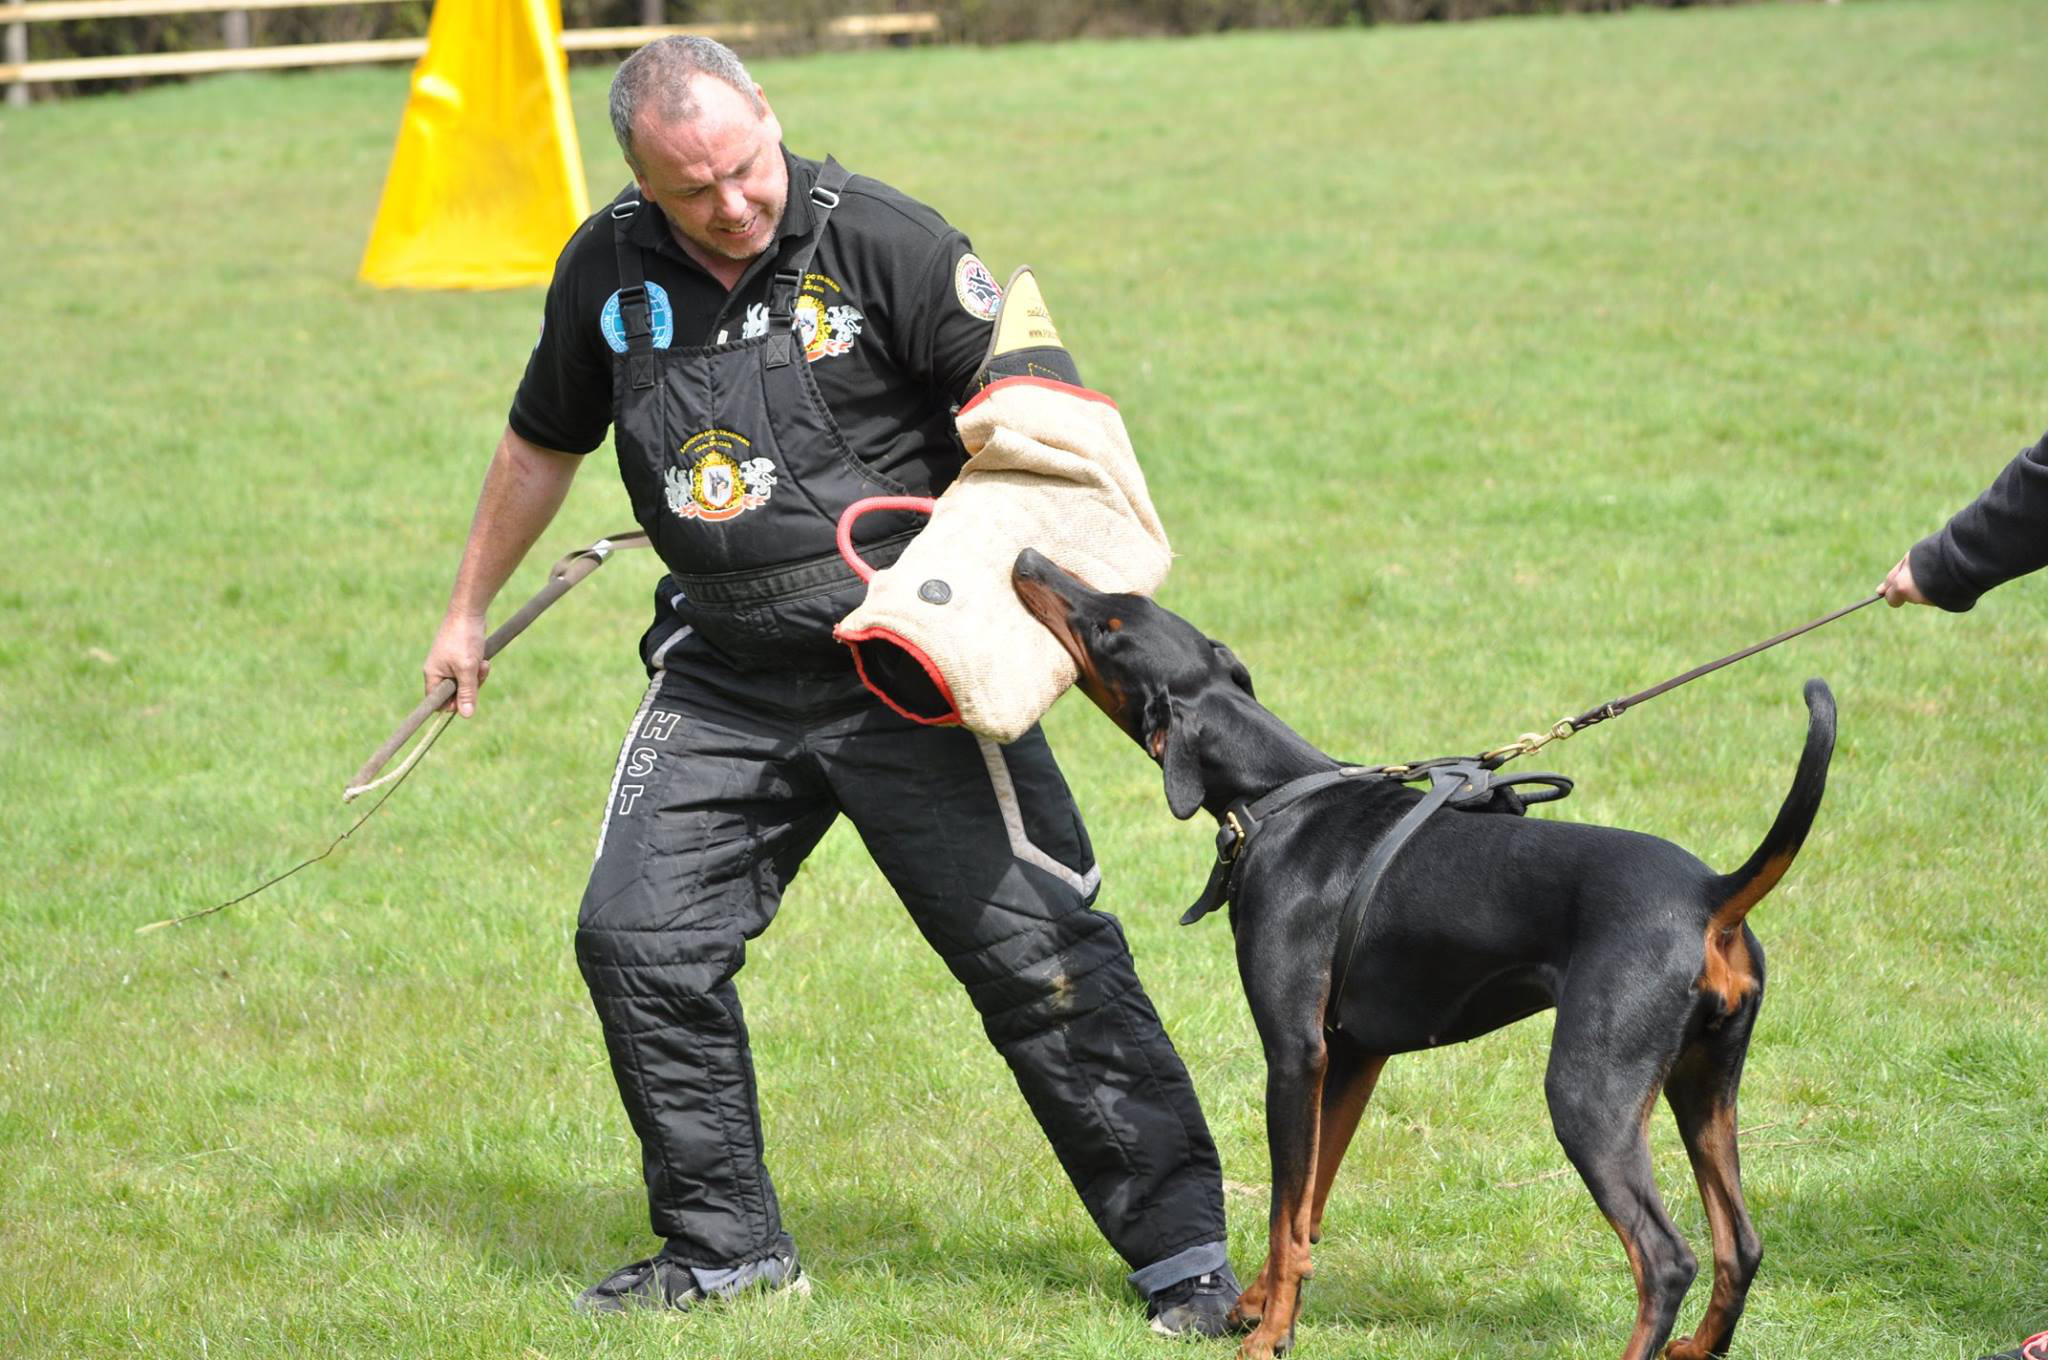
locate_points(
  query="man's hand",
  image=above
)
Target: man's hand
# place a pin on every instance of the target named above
(458, 655)
(1899, 587)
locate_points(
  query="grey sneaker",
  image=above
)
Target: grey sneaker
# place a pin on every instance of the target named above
(1195, 1307)
(661, 1282)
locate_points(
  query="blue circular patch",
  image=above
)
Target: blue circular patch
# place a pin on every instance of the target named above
(660, 320)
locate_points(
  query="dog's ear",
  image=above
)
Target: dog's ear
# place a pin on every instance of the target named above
(1239, 676)
(1172, 737)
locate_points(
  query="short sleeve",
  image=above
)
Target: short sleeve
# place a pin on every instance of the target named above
(564, 400)
(956, 303)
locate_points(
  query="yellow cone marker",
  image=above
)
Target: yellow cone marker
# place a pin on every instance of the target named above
(487, 182)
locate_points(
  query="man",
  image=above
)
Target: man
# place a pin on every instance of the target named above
(772, 340)
(2000, 535)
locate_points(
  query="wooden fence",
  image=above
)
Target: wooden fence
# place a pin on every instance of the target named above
(17, 72)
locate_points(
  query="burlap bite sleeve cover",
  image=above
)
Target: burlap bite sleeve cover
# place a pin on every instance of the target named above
(1050, 467)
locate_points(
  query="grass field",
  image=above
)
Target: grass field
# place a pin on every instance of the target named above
(1482, 373)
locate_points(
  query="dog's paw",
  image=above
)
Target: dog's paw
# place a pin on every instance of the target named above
(1260, 1346)
(1688, 1348)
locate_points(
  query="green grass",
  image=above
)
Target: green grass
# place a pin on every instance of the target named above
(1482, 373)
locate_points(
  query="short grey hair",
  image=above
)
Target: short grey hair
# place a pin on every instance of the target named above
(659, 75)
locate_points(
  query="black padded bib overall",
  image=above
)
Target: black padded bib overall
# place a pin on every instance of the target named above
(738, 472)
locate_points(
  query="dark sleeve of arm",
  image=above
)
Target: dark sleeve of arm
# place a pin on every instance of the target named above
(2000, 535)
(947, 348)
(564, 400)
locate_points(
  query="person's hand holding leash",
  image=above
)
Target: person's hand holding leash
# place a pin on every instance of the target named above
(458, 655)
(1899, 587)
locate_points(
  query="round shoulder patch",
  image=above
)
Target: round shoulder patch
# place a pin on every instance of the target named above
(977, 289)
(660, 319)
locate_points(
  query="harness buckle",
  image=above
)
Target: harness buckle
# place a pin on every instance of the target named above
(824, 198)
(622, 211)
(1237, 838)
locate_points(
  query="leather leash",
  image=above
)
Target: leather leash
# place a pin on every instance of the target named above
(1614, 708)
(562, 577)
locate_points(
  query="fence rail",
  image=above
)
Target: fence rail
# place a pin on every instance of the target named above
(66, 11)
(17, 72)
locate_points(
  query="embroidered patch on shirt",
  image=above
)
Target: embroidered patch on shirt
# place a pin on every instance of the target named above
(715, 480)
(661, 319)
(977, 289)
(826, 327)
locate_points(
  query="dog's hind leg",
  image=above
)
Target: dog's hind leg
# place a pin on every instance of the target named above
(1347, 1086)
(1294, 1096)
(1701, 1090)
(1600, 1103)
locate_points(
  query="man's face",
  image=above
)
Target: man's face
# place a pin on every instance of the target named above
(719, 176)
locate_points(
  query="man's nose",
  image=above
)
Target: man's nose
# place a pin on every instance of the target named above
(732, 202)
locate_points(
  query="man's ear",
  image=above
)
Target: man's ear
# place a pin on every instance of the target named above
(1239, 676)
(1173, 737)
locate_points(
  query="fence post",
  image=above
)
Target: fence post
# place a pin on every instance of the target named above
(650, 12)
(17, 55)
(234, 28)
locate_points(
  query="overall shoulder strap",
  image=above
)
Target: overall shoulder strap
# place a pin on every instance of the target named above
(789, 280)
(633, 312)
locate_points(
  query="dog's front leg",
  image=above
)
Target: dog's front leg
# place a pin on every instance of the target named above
(1294, 1095)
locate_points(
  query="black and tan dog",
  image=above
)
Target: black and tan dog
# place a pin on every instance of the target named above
(1481, 920)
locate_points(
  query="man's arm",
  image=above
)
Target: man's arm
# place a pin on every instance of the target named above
(522, 491)
(2000, 535)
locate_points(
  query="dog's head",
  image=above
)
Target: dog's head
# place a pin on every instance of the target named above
(1149, 669)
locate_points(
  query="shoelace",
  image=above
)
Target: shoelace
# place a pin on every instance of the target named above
(626, 1276)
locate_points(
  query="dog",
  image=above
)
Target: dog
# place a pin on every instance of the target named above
(1480, 920)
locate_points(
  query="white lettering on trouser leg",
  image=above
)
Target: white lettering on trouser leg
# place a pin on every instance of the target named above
(623, 795)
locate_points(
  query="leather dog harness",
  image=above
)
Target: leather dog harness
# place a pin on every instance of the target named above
(1468, 783)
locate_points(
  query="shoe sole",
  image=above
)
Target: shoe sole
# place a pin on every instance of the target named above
(799, 1286)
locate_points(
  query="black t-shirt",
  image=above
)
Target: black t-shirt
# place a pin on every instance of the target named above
(895, 313)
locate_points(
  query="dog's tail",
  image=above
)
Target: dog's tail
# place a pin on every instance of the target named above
(1736, 893)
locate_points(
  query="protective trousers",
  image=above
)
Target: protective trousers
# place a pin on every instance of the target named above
(725, 782)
